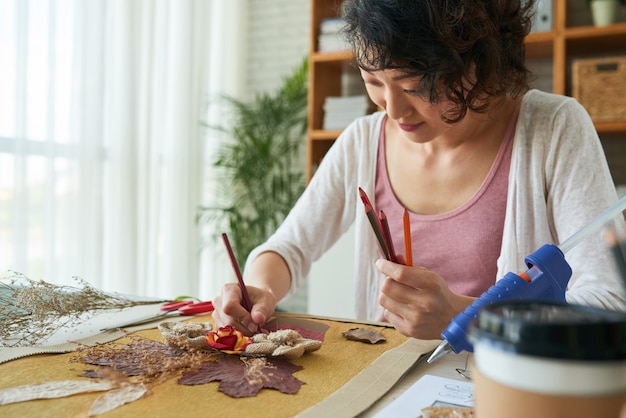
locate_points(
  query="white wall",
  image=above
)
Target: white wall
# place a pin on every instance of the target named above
(278, 40)
(331, 289)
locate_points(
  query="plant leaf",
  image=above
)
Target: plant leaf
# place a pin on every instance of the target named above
(259, 165)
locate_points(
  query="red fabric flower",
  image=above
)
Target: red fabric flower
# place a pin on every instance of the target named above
(228, 340)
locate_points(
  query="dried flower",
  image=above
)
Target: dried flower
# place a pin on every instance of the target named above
(31, 311)
(228, 340)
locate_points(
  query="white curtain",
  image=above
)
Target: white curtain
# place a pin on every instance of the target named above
(102, 145)
(228, 34)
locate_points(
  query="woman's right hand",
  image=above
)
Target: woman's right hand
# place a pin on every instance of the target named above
(417, 301)
(228, 308)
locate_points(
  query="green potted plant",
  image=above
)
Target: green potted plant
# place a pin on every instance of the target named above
(604, 12)
(261, 170)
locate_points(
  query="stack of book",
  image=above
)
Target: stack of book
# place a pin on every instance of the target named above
(340, 111)
(330, 37)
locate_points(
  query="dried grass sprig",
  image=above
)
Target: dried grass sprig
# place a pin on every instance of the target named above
(32, 310)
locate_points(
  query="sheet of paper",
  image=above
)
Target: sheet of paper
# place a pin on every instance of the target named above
(429, 390)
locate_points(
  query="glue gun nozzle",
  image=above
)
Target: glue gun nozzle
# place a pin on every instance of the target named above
(441, 350)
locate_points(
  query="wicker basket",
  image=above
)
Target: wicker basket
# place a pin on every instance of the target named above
(600, 86)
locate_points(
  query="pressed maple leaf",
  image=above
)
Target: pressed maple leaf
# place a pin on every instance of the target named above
(245, 377)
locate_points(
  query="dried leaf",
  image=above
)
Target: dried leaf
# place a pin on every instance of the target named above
(135, 359)
(50, 390)
(364, 335)
(145, 358)
(308, 329)
(116, 398)
(244, 377)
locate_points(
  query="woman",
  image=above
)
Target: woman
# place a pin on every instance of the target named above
(488, 169)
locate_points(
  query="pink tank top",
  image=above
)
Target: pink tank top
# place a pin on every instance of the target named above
(462, 245)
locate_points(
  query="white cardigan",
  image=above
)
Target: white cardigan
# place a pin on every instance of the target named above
(559, 180)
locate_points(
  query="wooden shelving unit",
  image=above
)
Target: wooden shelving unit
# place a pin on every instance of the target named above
(560, 45)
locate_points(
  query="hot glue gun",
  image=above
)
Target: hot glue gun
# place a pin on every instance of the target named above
(545, 280)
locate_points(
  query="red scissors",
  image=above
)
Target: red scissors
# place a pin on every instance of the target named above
(182, 307)
(187, 307)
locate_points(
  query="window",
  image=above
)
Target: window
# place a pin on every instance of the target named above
(101, 141)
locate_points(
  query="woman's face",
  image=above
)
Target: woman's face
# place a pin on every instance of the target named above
(406, 102)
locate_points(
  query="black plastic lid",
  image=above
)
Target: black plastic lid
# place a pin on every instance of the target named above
(554, 330)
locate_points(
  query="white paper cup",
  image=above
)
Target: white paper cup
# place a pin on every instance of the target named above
(548, 360)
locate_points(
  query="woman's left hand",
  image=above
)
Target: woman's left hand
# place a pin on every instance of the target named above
(417, 301)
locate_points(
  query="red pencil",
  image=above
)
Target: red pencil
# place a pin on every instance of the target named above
(387, 236)
(247, 302)
(368, 205)
(365, 199)
(375, 223)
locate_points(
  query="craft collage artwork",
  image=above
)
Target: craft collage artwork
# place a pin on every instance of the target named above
(184, 353)
(173, 362)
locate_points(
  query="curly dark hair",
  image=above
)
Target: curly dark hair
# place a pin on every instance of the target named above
(466, 51)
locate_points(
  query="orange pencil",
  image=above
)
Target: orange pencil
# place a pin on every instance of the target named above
(408, 245)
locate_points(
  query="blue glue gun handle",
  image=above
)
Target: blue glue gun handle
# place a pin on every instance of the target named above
(550, 262)
(550, 274)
